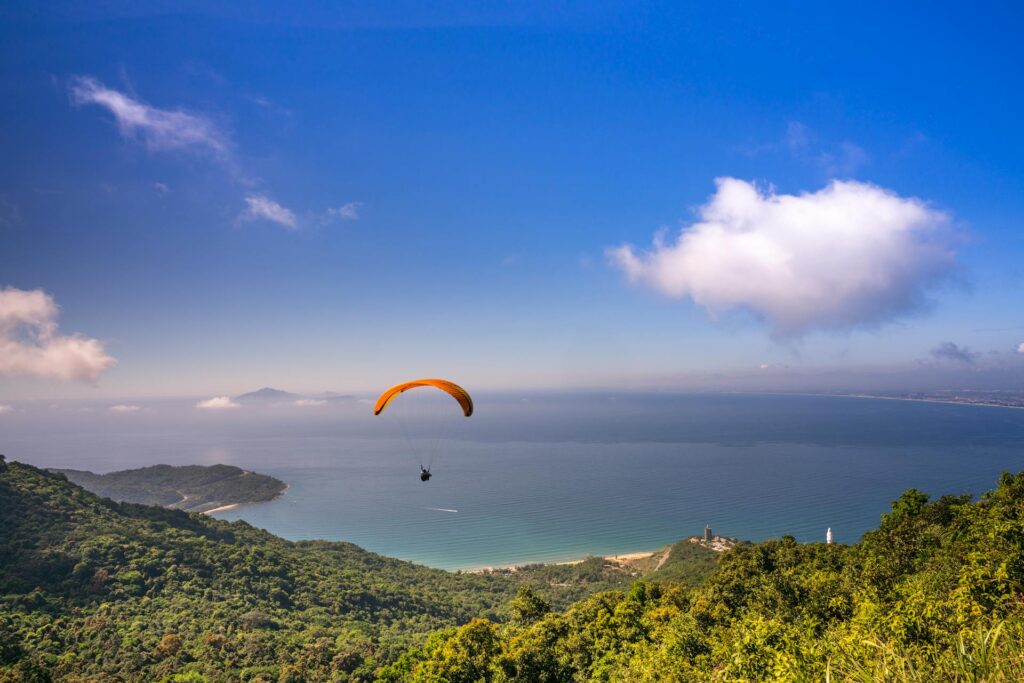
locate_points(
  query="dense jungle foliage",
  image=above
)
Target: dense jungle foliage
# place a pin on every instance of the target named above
(95, 590)
(101, 591)
(934, 594)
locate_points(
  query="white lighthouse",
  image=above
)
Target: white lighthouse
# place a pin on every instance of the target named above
(828, 536)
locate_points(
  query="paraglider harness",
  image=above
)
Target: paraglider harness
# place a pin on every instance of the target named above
(424, 473)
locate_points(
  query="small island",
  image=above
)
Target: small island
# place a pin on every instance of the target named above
(193, 488)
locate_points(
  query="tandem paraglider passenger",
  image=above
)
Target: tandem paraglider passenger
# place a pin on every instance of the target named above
(461, 396)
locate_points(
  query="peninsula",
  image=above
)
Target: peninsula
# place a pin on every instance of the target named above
(193, 488)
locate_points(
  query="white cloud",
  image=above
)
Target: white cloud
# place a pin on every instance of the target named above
(30, 342)
(125, 408)
(849, 255)
(4, 408)
(217, 403)
(159, 129)
(1020, 348)
(346, 212)
(309, 402)
(263, 207)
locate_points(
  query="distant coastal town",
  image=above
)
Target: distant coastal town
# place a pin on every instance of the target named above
(1002, 399)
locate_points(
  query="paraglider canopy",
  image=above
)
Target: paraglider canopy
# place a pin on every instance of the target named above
(451, 388)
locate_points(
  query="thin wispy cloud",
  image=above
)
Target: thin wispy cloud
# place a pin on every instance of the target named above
(163, 130)
(346, 212)
(261, 207)
(845, 160)
(850, 255)
(217, 403)
(309, 402)
(801, 144)
(125, 408)
(158, 129)
(10, 215)
(32, 345)
(842, 159)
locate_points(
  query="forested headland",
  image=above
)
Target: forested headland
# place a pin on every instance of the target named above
(194, 488)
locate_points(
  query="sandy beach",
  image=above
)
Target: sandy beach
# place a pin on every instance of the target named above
(232, 506)
(221, 508)
(623, 558)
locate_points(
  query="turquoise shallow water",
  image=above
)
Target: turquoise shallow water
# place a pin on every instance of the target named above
(551, 479)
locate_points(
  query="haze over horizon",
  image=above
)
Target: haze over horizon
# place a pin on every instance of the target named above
(204, 201)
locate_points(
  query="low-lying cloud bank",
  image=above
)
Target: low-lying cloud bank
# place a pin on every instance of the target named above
(31, 344)
(850, 255)
(217, 403)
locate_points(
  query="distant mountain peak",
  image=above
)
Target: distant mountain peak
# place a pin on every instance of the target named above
(267, 394)
(272, 395)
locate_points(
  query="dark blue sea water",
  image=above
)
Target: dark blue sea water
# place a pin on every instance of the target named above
(556, 477)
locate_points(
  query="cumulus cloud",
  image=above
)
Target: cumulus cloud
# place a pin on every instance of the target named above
(346, 212)
(261, 207)
(158, 129)
(125, 408)
(952, 352)
(306, 402)
(31, 344)
(217, 403)
(849, 255)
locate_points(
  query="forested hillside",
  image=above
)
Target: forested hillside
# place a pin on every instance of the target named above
(103, 591)
(934, 594)
(95, 590)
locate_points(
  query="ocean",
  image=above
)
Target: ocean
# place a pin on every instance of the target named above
(554, 477)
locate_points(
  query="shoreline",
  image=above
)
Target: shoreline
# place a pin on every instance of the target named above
(621, 558)
(229, 506)
(718, 544)
(232, 506)
(980, 404)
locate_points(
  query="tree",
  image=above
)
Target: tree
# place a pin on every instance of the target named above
(528, 607)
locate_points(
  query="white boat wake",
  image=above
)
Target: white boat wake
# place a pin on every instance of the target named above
(441, 509)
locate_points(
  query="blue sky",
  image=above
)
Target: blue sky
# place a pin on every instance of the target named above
(448, 183)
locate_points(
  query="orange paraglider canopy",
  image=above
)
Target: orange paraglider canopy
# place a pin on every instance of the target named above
(456, 392)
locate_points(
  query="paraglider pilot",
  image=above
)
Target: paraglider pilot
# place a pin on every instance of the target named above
(451, 388)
